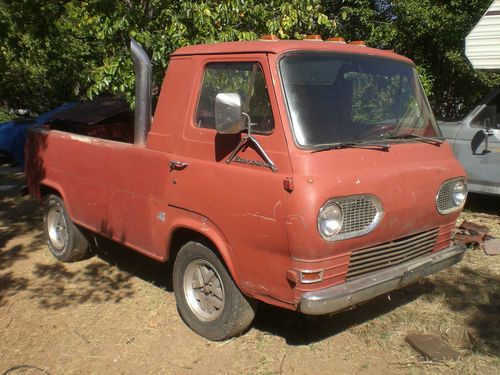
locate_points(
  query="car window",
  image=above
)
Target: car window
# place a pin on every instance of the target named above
(490, 115)
(245, 79)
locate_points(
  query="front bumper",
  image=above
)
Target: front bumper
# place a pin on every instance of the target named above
(351, 293)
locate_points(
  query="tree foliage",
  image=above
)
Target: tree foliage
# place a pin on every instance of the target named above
(431, 33)
(61, 50)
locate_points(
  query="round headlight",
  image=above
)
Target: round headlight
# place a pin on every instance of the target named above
(459, 193)
(330, 219)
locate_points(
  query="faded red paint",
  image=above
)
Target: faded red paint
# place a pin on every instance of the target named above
(262, 230)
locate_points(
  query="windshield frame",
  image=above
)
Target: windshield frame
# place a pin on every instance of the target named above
(300, 146)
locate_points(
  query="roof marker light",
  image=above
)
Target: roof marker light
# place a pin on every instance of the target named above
(336, 39)
(360, 43)
(269, 37)
(313, 37)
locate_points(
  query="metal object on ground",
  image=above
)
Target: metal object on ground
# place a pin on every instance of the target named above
(471, 234)
(431, 347)
(492, 247)
(474, 228)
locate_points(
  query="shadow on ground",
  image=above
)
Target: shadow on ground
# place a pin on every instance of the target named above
(298, 329)
(476, 295)
(154, 272)
(18, 215)
(487, 204)
(56, 285)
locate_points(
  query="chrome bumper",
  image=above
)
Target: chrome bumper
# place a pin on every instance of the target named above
(341, 296)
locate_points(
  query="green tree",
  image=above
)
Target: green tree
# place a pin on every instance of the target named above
(430, 32)
(61, 50)
(73, 49)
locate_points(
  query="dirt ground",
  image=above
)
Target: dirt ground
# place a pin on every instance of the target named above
(115, 314)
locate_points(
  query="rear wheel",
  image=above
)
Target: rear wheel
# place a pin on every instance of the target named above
(207, 298)
(64, 240)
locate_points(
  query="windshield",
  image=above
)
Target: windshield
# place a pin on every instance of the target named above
(336, 98)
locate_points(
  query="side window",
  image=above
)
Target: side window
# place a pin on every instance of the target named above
(489, 115)
(245, 79)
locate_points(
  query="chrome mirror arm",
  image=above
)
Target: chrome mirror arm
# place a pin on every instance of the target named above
(244, 144)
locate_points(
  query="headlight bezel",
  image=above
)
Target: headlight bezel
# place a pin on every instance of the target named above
(347, 235)
(452, 191)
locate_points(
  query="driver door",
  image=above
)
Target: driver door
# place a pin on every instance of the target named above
(477, 146)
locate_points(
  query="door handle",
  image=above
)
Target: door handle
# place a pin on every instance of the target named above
(176, 164)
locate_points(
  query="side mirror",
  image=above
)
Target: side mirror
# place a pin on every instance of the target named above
(487, 123)
(490, 116)
(228, 113)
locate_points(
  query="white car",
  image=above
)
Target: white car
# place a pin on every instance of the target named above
(476, 144)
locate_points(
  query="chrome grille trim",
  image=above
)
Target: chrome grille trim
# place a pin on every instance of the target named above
(361, 214)
(444, 197)
(392, 253)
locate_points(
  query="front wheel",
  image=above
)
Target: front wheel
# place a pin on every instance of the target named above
(207, 298)
(64, 240)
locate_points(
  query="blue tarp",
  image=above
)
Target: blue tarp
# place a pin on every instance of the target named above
(13, 133)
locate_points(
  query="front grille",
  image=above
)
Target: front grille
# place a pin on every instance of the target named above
(392, 253)
(359, 214)
(444, 200)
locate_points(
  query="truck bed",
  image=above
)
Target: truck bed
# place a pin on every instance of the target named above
(105, 118)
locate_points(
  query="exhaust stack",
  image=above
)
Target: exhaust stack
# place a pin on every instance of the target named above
(142, 113)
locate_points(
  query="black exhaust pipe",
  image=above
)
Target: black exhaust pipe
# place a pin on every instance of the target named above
(142, 113)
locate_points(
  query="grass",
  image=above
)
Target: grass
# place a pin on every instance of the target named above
(460, 305)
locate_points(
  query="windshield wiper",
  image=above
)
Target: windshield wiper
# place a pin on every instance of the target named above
(433, 141)
(338, 146)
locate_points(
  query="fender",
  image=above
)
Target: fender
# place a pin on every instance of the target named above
(184, 219)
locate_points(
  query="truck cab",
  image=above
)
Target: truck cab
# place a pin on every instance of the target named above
(309, 175)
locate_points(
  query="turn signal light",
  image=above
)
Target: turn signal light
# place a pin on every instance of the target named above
(308, 277)
(314, 37)
(269, 37)
(336, 39)
(360, 43)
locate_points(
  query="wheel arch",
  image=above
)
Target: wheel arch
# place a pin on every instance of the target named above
(189, 229)
(45, 188)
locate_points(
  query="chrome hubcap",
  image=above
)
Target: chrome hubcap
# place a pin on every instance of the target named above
(56, 225)
(203, 290)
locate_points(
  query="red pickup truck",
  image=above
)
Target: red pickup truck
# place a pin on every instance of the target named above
(309, 175)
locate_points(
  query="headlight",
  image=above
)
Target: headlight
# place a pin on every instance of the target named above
(330, 220)
(451, 196)
(459, 193)
(348, 217)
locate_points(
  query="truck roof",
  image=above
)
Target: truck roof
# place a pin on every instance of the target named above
(281, 46)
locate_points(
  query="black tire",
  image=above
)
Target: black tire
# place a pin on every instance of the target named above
(223, 322)
(65, 241)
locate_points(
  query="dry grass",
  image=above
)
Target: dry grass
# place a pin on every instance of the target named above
(117, 314)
